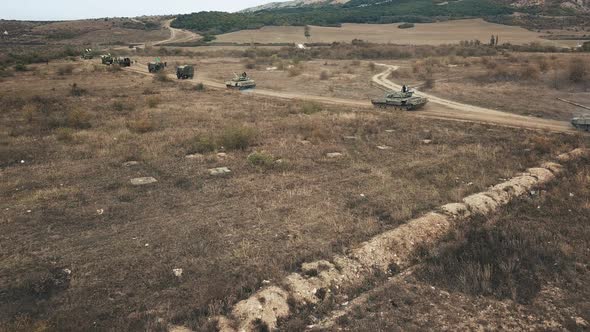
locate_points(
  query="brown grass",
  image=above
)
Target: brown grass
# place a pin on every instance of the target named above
(229, 233)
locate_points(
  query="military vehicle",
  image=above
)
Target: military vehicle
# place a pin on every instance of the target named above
(582, 122)
(88, 54)
(241, 82)
(154, 67)
(185, 72)
(400, 100)
(123, 62)
(106, 59)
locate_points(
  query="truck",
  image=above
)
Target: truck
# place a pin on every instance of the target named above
(185, 72)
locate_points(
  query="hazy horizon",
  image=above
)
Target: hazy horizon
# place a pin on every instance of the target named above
(43, 10)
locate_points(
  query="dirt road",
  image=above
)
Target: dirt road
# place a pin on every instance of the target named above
(447, 109)
(177, 35)
(438, 108)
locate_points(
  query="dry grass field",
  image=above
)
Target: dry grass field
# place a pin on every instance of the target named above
(521, 83)
(82, 248)
(449, 32)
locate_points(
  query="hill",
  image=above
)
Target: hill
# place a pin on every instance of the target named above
(334, 13)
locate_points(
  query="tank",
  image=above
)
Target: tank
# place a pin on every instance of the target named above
(241, 82)
(123, 62)
(400, 100)
(87, 54)
(185, 72)
(154, 67)
(582, 122)
(106, 59)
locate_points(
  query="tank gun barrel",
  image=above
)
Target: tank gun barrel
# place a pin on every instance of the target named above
(575, 104)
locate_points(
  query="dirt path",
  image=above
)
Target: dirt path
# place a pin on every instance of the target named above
(447, 109)
(177, 35)
(438, 108)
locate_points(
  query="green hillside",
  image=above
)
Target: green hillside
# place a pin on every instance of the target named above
(355, 11)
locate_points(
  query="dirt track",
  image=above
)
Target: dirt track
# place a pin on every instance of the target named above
(447, 109)
(177, 35)
(438, 108)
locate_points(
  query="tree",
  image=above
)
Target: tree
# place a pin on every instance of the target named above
(497, 38)
(492, 41)
(307, 32)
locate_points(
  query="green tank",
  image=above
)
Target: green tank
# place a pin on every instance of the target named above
(241, 82)
(154, 67)
(88, 54)
(185, 72)
(400, 100)
(106, 59)
(582, 122)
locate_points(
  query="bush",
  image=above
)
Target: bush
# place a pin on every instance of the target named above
(64, 134)
(153, 102)
(20, 67)
(311, 108)
(295, 71)
(65, 70)
(324, 75)
(261, 159)
(201, 144)
(238, 138)
(530, 72)
(142, 124)
(199, 87)
(78, 119)
(76, 91)
(429, 83)
(577, 70)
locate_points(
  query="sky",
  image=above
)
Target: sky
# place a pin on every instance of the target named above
(78, 9)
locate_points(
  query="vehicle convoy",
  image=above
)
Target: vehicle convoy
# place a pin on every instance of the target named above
(241, 82)
(123, 62)
(185, 72)
(582, 122)
(404, 100)
(154, 67)
(107, 59)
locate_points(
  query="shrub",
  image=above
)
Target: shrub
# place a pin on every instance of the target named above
(577, 70)
(114, 68)
(65, 70)
(406, 25)
(76, 91)
(311, 108)
(148, 91)
(202, 144)
(295, 71)
(429, 83)
(324, 75)
(20, 67)
(142, 124)
(78, 119)
(153, 102)
(261, 159)
(530, 72)
(237, 138)
(64, 134)
(199, 87)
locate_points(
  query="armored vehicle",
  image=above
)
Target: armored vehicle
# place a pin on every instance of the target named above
(123, 62)
(154, 67)
(400, 100)
(88, 54)
(582, 122)
(185, 72)
(241, 82)
(106, 59)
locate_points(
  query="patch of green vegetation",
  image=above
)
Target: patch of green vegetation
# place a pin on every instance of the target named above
(353, 12)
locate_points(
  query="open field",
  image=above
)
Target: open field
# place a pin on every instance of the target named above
(67, 201)
(449, 32)
(528, 83)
